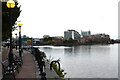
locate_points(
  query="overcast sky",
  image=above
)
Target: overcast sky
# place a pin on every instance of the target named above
(53, 17)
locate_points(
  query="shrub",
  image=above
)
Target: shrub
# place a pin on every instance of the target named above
(60, 73)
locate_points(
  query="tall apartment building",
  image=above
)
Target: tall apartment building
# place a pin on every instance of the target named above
(71, 34)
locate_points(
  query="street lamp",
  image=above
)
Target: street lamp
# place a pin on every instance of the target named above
(10, 4)
(19, 25)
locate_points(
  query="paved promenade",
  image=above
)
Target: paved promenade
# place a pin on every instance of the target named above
(29, 69)
(50, 74)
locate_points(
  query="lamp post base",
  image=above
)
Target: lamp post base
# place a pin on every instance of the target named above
(11, 58)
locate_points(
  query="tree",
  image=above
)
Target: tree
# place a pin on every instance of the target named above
(9, 19)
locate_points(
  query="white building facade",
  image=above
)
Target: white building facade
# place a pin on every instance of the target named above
(71, 34)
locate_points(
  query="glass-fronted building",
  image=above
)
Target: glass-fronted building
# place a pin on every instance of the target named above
(71, 34)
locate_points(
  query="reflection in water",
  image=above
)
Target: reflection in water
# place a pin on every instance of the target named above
(77, 50)
(87, 61)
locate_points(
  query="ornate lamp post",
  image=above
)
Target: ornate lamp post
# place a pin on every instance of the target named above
(19, 25)
(10, 4)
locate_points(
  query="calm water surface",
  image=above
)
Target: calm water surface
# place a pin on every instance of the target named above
(86, 61)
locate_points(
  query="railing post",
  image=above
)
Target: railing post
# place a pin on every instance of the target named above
(43, 76)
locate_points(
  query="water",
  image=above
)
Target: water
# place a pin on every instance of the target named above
(86, 61)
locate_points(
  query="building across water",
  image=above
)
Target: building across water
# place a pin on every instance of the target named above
(96, 38)
(85, 33)
(71, 34)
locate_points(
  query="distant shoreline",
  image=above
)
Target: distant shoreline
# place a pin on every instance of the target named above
(76, 44)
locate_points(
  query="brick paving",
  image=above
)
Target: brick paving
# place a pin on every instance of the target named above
(5, 52)
(29, 69)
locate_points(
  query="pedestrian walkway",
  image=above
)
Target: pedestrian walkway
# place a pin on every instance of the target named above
(28, 68)
(50, 74)
(5, 52)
